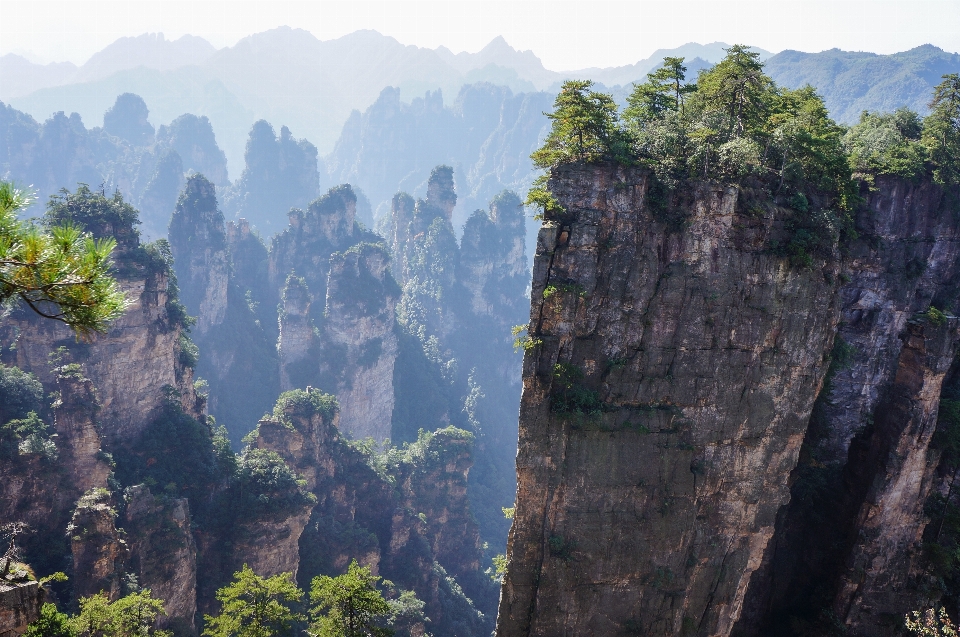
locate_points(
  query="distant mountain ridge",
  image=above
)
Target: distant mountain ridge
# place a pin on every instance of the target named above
(289, 77)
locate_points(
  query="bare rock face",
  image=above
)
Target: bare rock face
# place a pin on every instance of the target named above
(20, 604)
(412, 529)
(359, 342)
(663, 409)
(849, 542)
(130, 365)
(99, 553)
(297, 345)
(198, 243)
(78, 436)
(163, 553)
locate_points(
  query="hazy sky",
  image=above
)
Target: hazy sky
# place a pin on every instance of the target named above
(564, 34)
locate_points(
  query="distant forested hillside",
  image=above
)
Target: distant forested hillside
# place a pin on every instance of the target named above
(851, 82)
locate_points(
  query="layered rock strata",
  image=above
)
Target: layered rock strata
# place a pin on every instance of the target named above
(848, 545)
(665, 400)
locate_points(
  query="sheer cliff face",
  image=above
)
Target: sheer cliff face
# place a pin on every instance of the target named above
(361, 298)
(848, 544)
(129, 365)
(662, 411)
(198, 242)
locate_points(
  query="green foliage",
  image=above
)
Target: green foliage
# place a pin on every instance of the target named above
(941, 130)
(20, 393)
(930, 623)
(187, 352)
(539, 196)
(51, 623)
(568, 396)
(60, 272)
(348, 605)
(130, 616)
(254, 606)
(522, 340)
(305, 403)
(886, 144)
(935, 316)
(665, 90)
(95, 212)
(266, 486)
(498, 569)
(175, 449)
(584, 128)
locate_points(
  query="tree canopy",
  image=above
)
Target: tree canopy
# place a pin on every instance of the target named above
(254, 606)
(60, 272)
(348, 605)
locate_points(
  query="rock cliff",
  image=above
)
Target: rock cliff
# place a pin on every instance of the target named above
(665, 401)
(715, 442)
(848, 545)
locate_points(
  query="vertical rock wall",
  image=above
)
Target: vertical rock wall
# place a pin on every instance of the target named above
(848, 545)
(662, 411)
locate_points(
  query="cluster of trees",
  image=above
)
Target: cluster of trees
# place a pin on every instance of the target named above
(734, 122)
(348, 605)
(902, 143)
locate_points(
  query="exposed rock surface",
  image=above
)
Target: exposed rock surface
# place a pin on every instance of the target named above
(163, 554)
(99, 553)
(131, 364)
(662, 411)
(199, 246)
(20, 604)
(411, 529)
(848, 544)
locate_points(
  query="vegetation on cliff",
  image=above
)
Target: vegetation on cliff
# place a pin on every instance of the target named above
(59, 272)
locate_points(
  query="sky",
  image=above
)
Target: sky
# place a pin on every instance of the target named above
(565, 34)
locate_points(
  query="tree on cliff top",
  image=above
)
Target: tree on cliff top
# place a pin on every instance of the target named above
(61, 273)
(941, 130)
(584, 128)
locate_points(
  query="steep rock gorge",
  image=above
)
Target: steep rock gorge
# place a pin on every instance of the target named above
(672, 383)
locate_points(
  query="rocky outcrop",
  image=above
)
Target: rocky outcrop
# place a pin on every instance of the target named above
(20, 604)
(359, 342)
(412, 528)
(132, 363)
(298, 343)
(99, 553)
(664, 404)
(847, 546)
(163, 554)
(305, 246)
(280, 174)
(199, 246)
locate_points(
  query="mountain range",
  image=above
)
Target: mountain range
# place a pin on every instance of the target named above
(289, 77)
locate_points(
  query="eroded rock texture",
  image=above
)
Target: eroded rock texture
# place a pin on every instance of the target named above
(662, 411)
(848, 546)
(163, 553)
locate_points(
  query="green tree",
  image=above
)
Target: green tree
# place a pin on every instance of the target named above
(941, 130)
(737, 87)
(60, 272)
(348, 605)
(131, 616)
(254, 606)
(886, 143)
(51, 623)
(930, 623)
(584, 128)
(665, 90)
